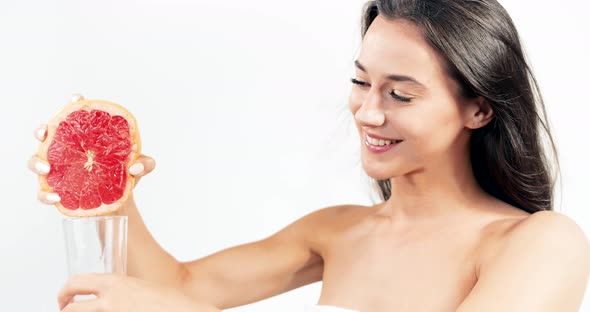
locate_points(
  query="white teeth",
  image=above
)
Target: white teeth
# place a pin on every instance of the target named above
(378, 142)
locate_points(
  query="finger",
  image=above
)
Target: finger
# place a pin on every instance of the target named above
(38, 166)
(83, 306)
(48, 198)
(142, 166)
(41, 132)
(86, 284)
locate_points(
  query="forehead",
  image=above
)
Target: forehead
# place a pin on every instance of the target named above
(398, 47)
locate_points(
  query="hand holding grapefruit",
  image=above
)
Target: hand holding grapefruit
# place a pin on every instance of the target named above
(89, 158)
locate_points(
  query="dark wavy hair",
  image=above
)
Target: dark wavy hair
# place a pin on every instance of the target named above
(482, 48)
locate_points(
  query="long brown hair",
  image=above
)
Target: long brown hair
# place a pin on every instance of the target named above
(483, 52)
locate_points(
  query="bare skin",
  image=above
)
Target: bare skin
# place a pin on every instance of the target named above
(440, 243)
(371, 267)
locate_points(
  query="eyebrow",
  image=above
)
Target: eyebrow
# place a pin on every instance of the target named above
(399, 78)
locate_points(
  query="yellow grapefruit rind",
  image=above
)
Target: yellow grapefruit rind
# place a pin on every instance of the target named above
(113, 109)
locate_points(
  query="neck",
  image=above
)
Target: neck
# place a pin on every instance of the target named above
(439, 192)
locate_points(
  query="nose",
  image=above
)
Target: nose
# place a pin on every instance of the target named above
(373, 117)
(371, 113)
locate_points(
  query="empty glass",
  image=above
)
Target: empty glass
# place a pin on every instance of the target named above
(96, 245)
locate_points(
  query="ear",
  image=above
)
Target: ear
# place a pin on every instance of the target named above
(478, 113)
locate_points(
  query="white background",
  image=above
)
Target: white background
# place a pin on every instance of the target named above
(243, 105)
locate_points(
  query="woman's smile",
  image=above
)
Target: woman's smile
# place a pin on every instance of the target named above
(376, 145)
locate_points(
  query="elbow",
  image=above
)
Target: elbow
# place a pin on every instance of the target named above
(183, 277)
(197, 286)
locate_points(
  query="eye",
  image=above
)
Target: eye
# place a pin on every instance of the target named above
(399, 97)
(358, 82)
(392, 93)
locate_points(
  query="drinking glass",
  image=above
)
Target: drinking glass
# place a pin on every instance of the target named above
(96, 245)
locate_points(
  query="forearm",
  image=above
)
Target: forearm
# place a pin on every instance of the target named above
(146, 259)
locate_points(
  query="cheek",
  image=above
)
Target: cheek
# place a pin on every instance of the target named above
(435, 129)
(428, 128)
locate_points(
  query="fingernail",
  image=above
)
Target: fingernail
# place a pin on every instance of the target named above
(41, 133)
(53, 197)
(41, 167)
(136, 169)
(76, 97)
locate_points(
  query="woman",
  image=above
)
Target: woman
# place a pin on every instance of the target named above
(447, 110)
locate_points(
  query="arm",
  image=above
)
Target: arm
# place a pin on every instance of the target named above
(228, 278)
(542, 266)
(145, 258)
(235, 276)
(254, 271)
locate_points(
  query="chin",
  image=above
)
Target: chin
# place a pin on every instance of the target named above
(379, 171)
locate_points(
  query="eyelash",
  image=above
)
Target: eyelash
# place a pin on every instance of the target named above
(395, 96)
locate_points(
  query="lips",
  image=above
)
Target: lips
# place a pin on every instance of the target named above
(380, 144)
(379, 137)
(380, 148)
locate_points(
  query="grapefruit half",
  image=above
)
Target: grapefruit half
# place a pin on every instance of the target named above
(89, 147)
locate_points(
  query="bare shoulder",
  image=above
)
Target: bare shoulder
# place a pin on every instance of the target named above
(334, 218)
(319, 227)
(543, 231)
(546, 251)
(539, 225)
(549, 224)
(555, 231)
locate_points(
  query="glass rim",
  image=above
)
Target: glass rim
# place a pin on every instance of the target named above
(93, 218)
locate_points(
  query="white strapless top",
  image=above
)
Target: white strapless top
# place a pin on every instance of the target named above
(326, 308)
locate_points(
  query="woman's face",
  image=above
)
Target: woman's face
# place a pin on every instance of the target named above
(403, 92)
